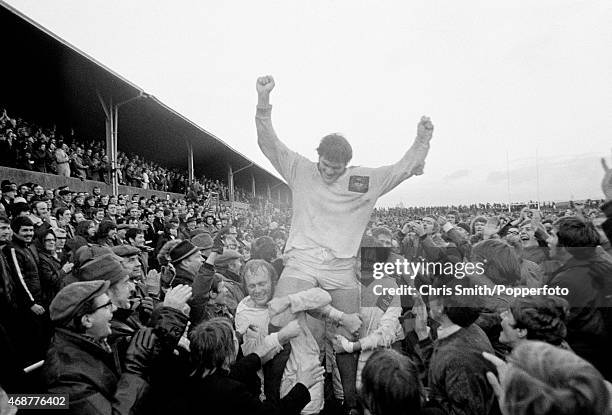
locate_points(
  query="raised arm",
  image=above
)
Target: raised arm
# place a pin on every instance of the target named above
(281, 157)
(413, 162)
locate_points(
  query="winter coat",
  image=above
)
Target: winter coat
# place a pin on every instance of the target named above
(90, 376)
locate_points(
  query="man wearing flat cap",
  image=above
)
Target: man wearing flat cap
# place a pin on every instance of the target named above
(81, 363)
(143, 303)
(126, 322)
(229, 264)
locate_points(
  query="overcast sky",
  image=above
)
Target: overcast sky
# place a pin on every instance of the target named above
(496, 77)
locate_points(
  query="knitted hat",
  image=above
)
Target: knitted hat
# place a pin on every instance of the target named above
(72, 298)
(107, 267)
(182, 251)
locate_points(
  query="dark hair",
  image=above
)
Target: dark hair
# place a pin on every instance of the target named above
(335, 148)
(463, 310)
(60, 212)
(132, 233)
(390, 384)
(20, 221)
(212, 344)
(104, 228)
(82, 228)
(542, 317)
(264, 248)
(578, 237)
(502, 264)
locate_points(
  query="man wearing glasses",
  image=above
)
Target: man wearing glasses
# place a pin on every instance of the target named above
(80, 361)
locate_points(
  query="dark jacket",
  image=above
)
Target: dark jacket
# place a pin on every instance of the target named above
(227, 393)
(24, 268)
(457, 373)
(235, 294)
(90, 376)
(51, 277)
(587, 298)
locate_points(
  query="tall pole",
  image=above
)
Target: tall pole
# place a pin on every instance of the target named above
(190, 172)
(537, 179)
(508, 180)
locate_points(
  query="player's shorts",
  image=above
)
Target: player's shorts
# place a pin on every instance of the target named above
(319, 267)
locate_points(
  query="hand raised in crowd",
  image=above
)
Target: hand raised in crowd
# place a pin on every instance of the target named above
(37, 309)
(417, 227)
(218, 241)
(441, 221)
(406, 228)
(177, 297)
(67, 267)
(606, 181)
(145, 305)
(525, 214)
(141, 352)
(265, 84)
(310, 375)
(536, 216)
(496, 381)
(424, 130)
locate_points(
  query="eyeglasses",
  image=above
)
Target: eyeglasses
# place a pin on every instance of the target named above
(108, 305)
(50, 240)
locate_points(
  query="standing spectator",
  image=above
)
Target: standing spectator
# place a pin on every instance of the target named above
(214, 348)
(80, 361)
(40, 158)
(88, 163)
(456, 367)
(24, 269)
(79, 167)
(62, 161)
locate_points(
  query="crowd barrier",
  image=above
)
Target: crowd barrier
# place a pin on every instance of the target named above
(53, 181)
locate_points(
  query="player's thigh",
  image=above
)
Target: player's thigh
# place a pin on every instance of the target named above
(288, 285)
(347, 301)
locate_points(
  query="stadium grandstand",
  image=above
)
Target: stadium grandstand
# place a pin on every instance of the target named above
(53, 93)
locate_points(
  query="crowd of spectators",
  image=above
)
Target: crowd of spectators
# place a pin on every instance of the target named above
(27, 146)
(130, 304)
(172, 285)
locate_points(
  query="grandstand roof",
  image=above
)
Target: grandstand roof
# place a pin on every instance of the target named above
(48, 81)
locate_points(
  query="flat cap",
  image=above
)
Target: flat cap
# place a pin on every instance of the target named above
(72, 298)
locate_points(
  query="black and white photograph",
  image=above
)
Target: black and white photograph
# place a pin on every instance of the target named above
(323, 207)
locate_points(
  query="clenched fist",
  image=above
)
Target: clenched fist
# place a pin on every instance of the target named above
(265, 84)
(424, 130)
